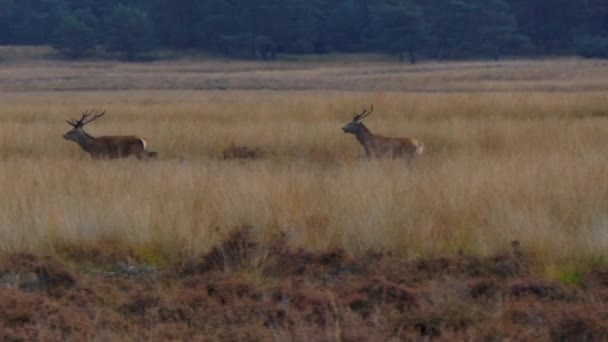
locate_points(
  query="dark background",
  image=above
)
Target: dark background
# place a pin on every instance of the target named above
(408, 29)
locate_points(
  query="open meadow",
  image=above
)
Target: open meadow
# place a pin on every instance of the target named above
(515, 163)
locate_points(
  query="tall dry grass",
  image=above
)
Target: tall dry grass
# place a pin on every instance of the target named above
(498, 166)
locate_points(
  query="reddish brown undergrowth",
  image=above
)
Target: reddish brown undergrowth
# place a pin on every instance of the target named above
(241, 152)
(244, 290)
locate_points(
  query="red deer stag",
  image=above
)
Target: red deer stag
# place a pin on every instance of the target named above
(109, 147)
(380, 146)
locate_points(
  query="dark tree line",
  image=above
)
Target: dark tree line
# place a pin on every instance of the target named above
(440, 29)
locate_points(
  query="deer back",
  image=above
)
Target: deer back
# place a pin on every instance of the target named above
(117, 146)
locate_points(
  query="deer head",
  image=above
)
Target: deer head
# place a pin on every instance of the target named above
(77, 125)
(356, 125)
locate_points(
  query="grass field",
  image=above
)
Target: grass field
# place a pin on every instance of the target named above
(499, 165)
(515, 150)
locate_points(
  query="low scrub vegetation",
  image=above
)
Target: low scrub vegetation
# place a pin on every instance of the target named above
(245, 290)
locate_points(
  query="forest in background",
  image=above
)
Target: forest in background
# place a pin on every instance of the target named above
(408, 29)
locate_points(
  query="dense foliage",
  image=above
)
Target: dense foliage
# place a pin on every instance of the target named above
(442, 29)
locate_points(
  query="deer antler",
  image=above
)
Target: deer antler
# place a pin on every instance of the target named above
(81, 122)
(72, 123)
(95, 116)
(364, 114)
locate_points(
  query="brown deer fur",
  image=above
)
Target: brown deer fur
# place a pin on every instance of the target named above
(381, 146)
(109, 147)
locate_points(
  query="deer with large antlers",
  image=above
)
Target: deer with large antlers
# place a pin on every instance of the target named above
(380, 146)
(109, 147)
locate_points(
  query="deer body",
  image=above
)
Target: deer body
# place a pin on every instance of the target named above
(107, 147)
(381, 146)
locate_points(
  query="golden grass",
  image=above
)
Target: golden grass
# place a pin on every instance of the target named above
(500, 164)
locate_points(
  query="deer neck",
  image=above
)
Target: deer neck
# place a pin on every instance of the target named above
(85, 140)
(364, 135)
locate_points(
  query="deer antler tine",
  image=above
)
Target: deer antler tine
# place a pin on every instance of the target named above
(96, 116)
(367, 112)
(84, 115)
(88, 113)
(363, 114)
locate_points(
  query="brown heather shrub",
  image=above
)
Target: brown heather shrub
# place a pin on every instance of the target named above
(537, 288)
(483, 288)
(29, 315)
(378, 291)
(578, 323)
(20, 308)
(599, 276)
(28, 272)
(325, 298)
(236, 252)
(241, 152)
